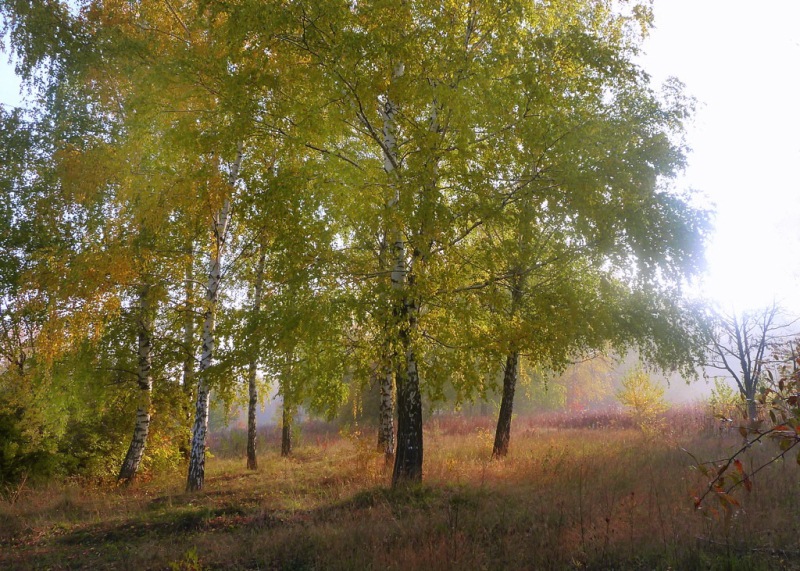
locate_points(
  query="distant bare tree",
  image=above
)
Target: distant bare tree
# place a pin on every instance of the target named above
(739, 346)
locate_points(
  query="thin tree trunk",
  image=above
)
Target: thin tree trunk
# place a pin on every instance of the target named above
(252, 461)
(286, 428)
(386, 418)
(188, 347)
(133, 458)
(197, 459)
(503, 434)
(386, 378)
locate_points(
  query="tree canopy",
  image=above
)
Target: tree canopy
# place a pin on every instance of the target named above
(421, 191)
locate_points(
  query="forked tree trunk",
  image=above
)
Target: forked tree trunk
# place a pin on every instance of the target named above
(386, 416)
(197, 458)
(252, 461)
(133, 459)
(503, 434)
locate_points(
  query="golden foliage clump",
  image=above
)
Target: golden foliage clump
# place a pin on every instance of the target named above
(644, 400)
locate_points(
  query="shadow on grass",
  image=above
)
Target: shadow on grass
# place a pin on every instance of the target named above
(174, 515)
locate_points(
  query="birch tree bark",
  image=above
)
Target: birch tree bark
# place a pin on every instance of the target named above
(410, 450)
(386, 413)
(252, 461)
(385, 373)
(409, 457)
(197, 459)
(188, 346)
(409, 454)
(133, 458)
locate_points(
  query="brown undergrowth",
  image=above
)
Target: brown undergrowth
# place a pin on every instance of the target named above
(574, 496)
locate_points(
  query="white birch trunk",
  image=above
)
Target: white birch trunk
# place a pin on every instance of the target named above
(188, 347)
(197, 459)
(386, 413)
(386, 440)
(408, 458)
(133, 459)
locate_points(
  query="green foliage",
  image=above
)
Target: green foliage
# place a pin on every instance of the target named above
(644, 400)
(529, 189)
(724, 400)
(20, 457)
(190, 562)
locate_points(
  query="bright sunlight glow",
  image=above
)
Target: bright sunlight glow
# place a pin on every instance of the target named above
(741, 60)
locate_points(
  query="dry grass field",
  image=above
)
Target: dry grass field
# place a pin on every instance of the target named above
(585, 492)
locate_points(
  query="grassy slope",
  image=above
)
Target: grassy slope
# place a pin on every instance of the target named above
(566, 498)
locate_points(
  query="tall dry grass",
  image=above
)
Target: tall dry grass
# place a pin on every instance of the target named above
(579, 492)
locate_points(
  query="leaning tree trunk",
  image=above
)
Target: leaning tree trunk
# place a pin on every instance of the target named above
(252, 461)
(197, 459)
(503, 434)
(144, 379)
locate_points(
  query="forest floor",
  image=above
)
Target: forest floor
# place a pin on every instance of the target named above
(586, 492)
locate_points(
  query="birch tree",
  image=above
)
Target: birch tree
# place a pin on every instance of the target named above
(473, 109)
(144, 380)
(196, 476)
(459, 187)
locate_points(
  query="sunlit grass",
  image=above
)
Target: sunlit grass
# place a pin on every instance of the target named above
(564, 498)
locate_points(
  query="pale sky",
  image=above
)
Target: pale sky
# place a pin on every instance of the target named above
(741, 60)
